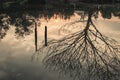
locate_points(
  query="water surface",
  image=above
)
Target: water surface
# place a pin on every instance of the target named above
(16, 51)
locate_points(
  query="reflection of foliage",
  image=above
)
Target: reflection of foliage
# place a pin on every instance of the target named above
(4, 25)
(100, 1)
(116, 11)
(85, 55)
(58, 4)
(23, 25)
(107, 11)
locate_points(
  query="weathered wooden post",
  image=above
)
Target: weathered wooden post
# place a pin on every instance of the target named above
(45, 36)
(35, 35)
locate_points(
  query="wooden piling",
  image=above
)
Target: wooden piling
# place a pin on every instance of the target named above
(35, 36)
(45, 36)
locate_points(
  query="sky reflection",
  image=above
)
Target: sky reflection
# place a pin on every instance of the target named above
(15, 54)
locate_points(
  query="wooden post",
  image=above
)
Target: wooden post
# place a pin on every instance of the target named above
(45, 35)
(35, 36)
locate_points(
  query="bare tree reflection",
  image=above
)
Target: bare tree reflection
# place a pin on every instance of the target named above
(85, 55)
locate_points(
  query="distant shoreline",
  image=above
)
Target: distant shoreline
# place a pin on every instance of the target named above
(38, 7)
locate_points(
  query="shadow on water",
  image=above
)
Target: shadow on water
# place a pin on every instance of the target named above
(84, 55)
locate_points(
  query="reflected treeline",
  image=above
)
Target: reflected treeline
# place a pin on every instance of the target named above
(100, 1)
(4, 25)
(108, 12)
(21, 19)
(25, 20)
(34, 3)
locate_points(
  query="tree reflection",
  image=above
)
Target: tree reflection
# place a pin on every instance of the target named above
(108, 11)
(23, 25)
(4, 25)
(84, 55)
(25, 20)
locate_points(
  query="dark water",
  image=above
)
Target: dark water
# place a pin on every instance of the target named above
(17, 46)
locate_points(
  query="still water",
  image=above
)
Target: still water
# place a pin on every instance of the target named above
(16, 52)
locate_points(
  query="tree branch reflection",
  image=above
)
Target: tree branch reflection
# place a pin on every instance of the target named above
(84, 55)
